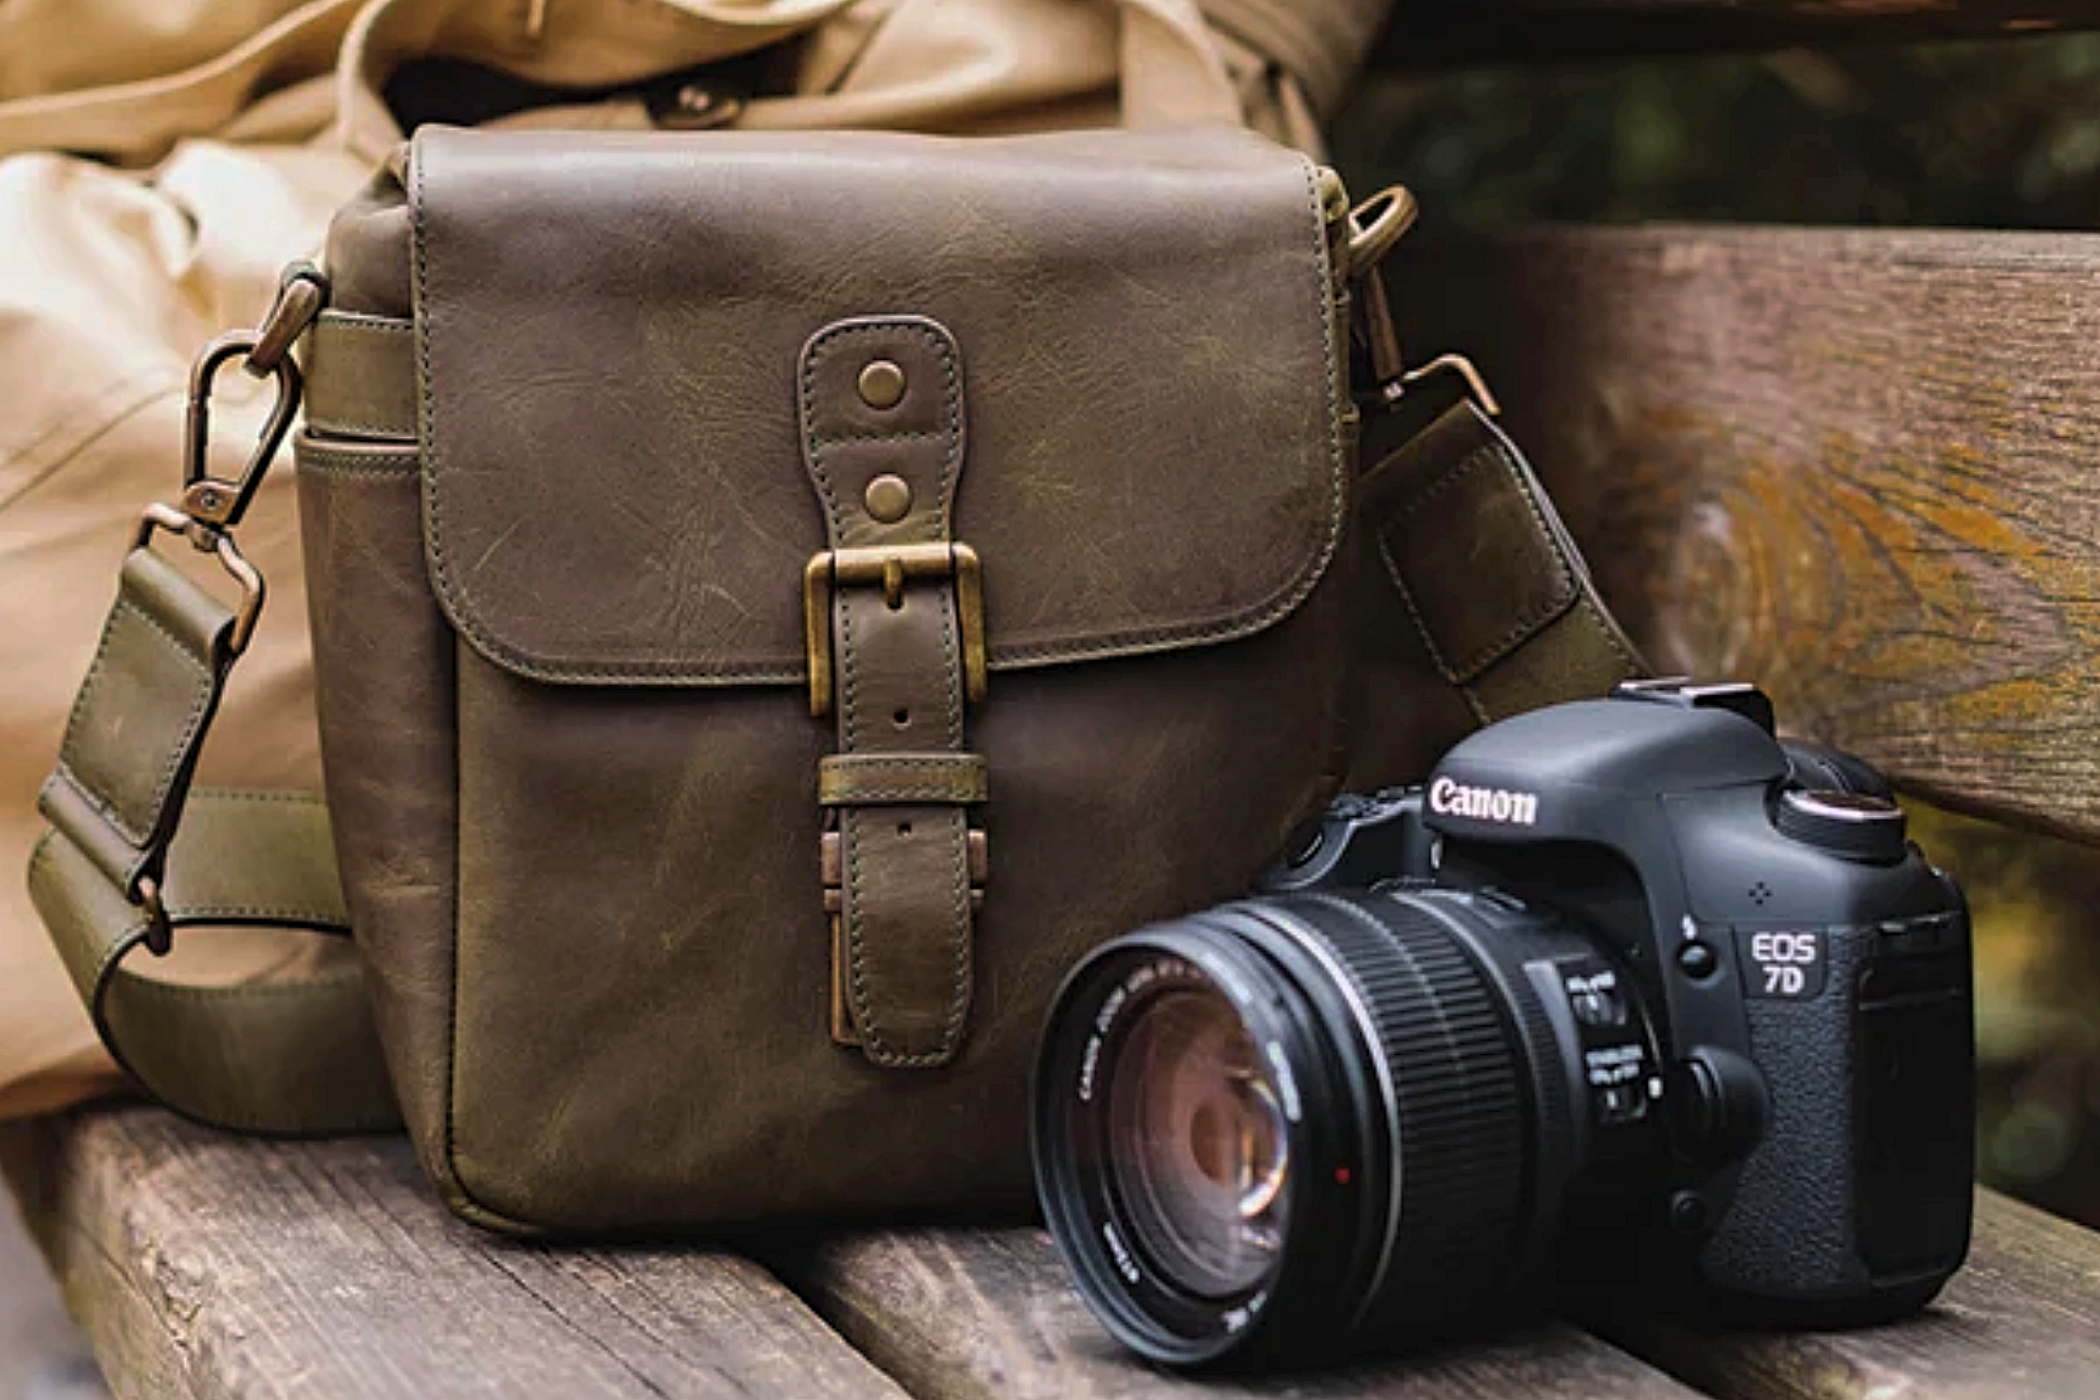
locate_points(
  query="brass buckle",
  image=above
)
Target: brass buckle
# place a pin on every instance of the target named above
(210, 539)
(892, 566)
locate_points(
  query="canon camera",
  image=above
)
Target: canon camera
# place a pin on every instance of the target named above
(1629, 1004)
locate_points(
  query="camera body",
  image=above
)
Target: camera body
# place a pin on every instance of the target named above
(1771, 1056)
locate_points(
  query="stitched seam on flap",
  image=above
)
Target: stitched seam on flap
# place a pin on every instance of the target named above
(1287, 600)
(460, 610)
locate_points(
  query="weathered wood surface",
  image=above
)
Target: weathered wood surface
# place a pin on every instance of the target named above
(1427, 32)
(1861, 468)
(42, 1354)
(969, 1316)
(966, 1315)
(2020, 1321)
(206, 1265)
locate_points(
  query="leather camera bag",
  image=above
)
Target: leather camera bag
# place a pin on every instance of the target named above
(776, 601)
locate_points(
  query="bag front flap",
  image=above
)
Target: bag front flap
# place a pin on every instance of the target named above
(608, 336)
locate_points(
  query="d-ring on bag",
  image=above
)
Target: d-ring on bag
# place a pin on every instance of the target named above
(776, 601)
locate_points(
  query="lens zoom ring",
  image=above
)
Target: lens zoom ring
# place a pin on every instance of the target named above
(1461, 1132)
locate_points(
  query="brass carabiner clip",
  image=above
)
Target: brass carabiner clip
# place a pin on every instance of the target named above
(264, 352)
(205, 498)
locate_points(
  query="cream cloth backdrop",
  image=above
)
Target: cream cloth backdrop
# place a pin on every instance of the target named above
(160, 160)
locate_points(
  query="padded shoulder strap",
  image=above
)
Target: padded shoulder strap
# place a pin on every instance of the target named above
(1496, 590)
(289, 1055)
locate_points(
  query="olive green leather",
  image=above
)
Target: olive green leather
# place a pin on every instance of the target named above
(902, 941)
(587, 416)
(1463, 468)
(289, 1055)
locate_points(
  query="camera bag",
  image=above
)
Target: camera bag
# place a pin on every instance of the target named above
(777, 600)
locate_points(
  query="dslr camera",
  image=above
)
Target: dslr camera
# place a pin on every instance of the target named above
(1629, 1003)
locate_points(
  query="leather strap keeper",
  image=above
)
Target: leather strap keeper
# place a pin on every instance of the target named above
(1458, 500)
(361, 377)
(288, 1055)
(124, 766)
(867, 780)
(896, 654)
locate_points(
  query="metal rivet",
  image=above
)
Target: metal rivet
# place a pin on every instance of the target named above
(882, 384)
(888, 499)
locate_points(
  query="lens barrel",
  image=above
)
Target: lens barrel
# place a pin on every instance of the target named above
(1420, 1133)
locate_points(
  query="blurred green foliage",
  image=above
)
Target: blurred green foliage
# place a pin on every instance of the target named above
(2032, 901)
(2004, 134)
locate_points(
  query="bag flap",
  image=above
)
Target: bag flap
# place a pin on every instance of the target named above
(608, 332)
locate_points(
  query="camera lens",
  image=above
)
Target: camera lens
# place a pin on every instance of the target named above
(1198, 1143)
(1288, 1125)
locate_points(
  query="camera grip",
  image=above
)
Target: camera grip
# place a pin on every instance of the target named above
(1858, 1193)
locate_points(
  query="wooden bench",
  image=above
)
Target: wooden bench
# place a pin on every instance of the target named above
(206, 1265)
(1772, 443)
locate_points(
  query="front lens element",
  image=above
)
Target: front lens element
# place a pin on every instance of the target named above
(1286, 1124)
(1197, 1144)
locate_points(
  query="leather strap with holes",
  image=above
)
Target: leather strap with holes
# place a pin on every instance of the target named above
(897, 653)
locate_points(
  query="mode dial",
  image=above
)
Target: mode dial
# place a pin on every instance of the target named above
(1852, 825)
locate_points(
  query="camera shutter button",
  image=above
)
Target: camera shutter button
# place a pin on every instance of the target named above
(1850, 825)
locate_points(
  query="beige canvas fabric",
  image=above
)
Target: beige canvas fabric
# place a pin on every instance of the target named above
(206, 143)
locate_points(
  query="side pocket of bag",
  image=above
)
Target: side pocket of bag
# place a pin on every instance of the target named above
(383, 661)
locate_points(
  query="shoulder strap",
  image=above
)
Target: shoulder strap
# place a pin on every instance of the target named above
(300, 1055)
(287, 1055)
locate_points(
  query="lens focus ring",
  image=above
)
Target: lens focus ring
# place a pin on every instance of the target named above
(1460, 1132)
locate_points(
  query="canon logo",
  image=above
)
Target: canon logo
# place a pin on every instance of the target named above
(1483, 804)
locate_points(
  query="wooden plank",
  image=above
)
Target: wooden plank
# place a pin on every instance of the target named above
(1857, 467)
(201, 1264)
(2021, 1320)
(42, 1355)
(959, 1315)
(966, 1316)
(1424, 33)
